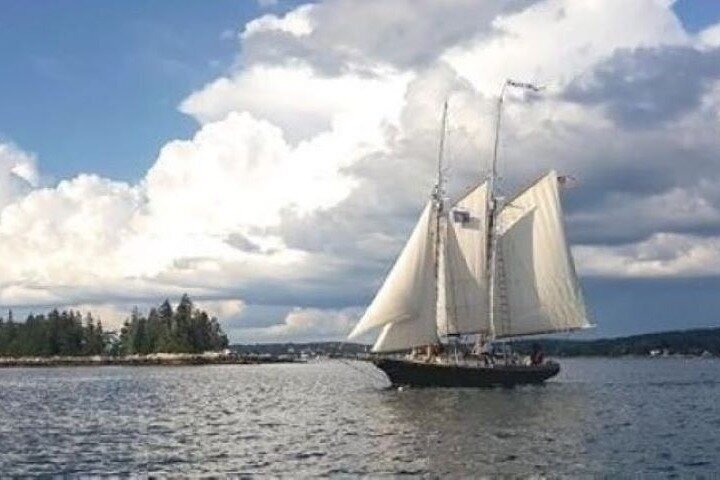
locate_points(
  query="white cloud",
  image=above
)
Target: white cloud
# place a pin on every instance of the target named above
(296, 22)
(404, 33)
(234, 177)
(709, 38)
(661, 255)
(553, 41)
(307, 324)
(300, 100)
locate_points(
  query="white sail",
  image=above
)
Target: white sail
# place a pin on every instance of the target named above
(443, 293)
(408, 334)
(465, 275)
(409, 291)
(537, 289)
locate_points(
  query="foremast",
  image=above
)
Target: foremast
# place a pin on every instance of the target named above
(438, 198)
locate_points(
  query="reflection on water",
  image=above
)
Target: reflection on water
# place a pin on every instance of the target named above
(659, 416)
(527, 429)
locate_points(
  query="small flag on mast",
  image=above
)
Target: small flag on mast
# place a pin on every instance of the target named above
(567, 181)
(528, 86)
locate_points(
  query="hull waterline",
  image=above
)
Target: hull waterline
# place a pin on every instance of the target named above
(422, 374)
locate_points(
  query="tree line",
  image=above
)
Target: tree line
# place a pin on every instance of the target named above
(683, 342)
(184, 329)
(64, 333)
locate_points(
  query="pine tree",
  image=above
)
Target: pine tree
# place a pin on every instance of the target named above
(165, 319)
(182, 322)
(99, 339)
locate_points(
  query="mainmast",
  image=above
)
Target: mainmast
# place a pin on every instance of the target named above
(493, 204)
(492, 217)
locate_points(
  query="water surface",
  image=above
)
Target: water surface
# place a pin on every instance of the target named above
(659, 416)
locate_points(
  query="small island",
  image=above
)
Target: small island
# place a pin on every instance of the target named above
(184, 335)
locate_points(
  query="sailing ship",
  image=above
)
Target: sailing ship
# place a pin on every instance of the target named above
(483, 267)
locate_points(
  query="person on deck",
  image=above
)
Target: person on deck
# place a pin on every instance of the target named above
(537, 357)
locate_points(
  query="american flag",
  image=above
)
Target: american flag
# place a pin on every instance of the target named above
(461, 216)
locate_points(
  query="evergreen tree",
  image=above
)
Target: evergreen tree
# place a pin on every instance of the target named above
(182, 332)
(125, 338)
(165, 318)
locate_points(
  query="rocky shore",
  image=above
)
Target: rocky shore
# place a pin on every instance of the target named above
(208, 358)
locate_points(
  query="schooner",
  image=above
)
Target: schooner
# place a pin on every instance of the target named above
(485, 266)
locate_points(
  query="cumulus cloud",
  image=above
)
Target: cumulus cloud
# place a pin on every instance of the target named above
(317, 149)
(300, 100)
(296, 22)
(661, 255)
(553, 41)
(235, 177)
(306, 325)
(338, 35)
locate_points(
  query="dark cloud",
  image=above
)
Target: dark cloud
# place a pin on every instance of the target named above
(646, 87)
(241, 242)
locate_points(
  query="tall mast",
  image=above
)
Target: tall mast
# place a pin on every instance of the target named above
(493, 204)
(440, 186)
(492, 216)
(439, 198)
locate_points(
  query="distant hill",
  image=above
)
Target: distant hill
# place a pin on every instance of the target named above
(681, 342)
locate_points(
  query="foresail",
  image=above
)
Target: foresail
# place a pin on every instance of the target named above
(465, 277)
(409, 291)
(405, 335)
(537, 290)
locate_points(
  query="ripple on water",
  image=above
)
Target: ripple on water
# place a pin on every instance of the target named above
(328, 419)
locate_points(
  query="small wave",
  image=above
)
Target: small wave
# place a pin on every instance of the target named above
(304, 455)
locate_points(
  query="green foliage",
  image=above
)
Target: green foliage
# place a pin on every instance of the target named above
(58, 333)
(67, 333)
(185, 330)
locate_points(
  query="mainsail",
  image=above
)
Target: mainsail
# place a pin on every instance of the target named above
(537, 289)
(465, 267)
(406, 302)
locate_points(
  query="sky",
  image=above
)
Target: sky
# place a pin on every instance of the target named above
(270, 157)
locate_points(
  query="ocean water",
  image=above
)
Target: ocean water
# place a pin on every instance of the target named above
(658, 417)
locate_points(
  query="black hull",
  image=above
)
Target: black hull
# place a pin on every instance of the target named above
(420, 374)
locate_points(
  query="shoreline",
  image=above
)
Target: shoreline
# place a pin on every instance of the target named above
(161, 359)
